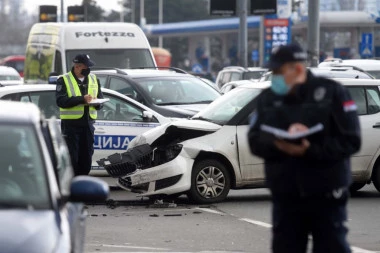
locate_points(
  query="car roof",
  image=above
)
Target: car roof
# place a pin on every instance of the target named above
(255, 85)
(5, 70)
(137, 73)
(365, 64)
(249, 69)
(19, 112)
(337, 71)
(358, 82)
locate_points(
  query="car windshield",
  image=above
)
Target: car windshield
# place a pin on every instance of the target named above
(9, 78)
(226, 107)
(374, 73)
(23, 182)
(178, 90)
(115, 58)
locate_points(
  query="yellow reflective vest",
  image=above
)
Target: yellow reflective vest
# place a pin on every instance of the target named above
(72, 88)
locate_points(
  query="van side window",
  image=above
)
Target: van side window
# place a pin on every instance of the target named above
(373, 100)
(359, 96)
(58, 63)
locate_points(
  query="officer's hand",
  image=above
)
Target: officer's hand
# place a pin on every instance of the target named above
(291, 148)
(87, 98)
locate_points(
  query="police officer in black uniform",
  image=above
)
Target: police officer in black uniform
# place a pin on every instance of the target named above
(308, 179)
(74, 92)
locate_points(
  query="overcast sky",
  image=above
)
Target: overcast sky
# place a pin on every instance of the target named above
(32, 5)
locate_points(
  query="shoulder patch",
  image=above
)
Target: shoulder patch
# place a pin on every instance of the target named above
(319, 93)
(59, 87)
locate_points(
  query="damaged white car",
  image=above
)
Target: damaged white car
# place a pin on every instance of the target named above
(203, 157)
(208, 155)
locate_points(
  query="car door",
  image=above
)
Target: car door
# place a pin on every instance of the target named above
(118, 122)
(252, 167)
(367, 99)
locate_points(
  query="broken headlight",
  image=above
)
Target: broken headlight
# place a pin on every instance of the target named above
(165, 154)
(173, 151)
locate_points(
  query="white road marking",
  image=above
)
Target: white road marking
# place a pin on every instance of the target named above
(126, 246)
(208, 210)
(359, 250)
(267, 225)
(256, 222)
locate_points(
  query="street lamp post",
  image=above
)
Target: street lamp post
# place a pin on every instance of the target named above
(160, 20)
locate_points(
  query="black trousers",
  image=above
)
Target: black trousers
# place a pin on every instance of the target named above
(322, 217)
(80, 142)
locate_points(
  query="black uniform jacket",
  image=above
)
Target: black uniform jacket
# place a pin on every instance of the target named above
(64, 101)
(326, 164)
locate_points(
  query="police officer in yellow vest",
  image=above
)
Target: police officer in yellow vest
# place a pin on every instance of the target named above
(74, 92)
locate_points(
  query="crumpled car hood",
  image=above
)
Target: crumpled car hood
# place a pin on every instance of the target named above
(191, 125)
(28, 231)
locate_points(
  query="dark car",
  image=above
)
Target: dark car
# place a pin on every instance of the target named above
(170, 93)
(41, 206)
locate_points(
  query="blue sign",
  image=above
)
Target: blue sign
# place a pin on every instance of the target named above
(366, 45)
(277, 32)
(255, 55)
(197, 68)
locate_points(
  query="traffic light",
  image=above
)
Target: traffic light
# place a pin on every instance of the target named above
(263, 7)
(223, 7)
(48, 13)
(75, 13)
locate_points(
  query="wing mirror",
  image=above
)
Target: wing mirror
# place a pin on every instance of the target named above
(147, 116)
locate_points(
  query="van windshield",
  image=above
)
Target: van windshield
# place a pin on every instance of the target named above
(114, 58)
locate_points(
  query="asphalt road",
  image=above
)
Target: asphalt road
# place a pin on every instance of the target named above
(239, 224)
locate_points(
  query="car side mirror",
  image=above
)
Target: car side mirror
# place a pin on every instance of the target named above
(52, 79)
(147, 116)
(88, 189)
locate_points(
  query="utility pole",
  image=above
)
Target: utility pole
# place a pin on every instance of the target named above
(243, 33)
(160, 21)
(142, 15)
(133, 9)
(313, 33)
(261, 42)
(62, 13)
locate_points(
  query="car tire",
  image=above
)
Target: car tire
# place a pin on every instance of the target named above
(376, 177)
(356, 187)
(210, 182)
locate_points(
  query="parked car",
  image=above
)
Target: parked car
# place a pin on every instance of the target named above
(370, 66)
(9, 76)
(232, 85)
(235, 73)
(120, 120)
(14, 61)
(170, 93)
(40, 201)
(208, 155)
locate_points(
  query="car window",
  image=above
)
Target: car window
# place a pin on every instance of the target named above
(359, 96)
(373, 100)
(226, 77)
(102, 80)
(63, 165)
(117, 109)
(220, 80)
(235, 76)
(45, 100)
(22, 170)
(253, 75)
(178, 90)
(123, 87)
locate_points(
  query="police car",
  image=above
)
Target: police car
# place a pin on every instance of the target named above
(208, 155)
(120, 120)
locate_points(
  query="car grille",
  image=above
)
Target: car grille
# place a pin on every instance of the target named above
(120, 165)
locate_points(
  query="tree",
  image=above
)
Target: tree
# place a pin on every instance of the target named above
(94, 12)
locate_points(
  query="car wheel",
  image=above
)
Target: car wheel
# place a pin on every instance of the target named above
(356, 187)
(376, 177)
(210, 182)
